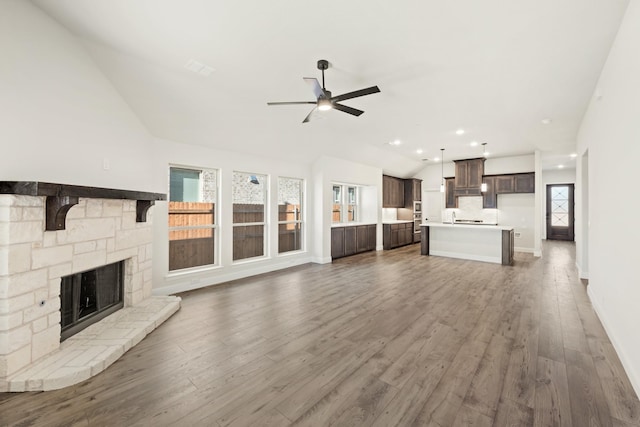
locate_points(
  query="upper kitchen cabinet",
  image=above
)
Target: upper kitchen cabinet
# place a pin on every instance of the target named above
(524, 183)
(392, 192)
(515, 183)
(451, 201)
(412, 192)
(468, 177)
(489, 197)
(504, 184)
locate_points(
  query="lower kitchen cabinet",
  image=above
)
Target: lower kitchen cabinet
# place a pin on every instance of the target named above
(352, 239)
(396, 235)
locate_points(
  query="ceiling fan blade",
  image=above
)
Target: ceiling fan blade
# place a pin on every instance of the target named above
(292, 103)
(355, 94)
(344, 108)
(308, 118)
(315, 87)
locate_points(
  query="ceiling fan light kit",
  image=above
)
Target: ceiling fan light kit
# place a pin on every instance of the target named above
(324, 100)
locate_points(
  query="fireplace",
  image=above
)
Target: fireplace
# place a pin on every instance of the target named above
(87, 297)
(59, 245)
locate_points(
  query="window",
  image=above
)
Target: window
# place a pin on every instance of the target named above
(345, 201)
(289, 214)
(249, 197)
(192, 225)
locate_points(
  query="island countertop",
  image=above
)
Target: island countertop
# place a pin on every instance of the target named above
(474, 226)
(488, 243)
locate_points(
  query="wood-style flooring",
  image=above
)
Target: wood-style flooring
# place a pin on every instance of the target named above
(382, 338)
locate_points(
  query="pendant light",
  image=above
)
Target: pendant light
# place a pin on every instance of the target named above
(442, 170)
(483, 186)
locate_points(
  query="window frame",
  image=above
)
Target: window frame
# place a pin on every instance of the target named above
(264, 223)
(214, 226)
(345, 202)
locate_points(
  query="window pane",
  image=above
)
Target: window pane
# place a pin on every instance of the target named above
(289, 199)
(351, 213)
(192, 195)
(248, 241)
(249, 195)
(289, 237)
(289, 211)
(336, 213)
(191, 248)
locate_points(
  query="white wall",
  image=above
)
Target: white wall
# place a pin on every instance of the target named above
(554, 176)
(611, 134)
(168, 153)
(61, 118)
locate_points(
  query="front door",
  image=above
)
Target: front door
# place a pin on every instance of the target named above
(560, 212)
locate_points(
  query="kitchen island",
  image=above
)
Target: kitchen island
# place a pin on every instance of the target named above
(488, 243)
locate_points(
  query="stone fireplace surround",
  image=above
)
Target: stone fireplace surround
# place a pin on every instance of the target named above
(48, 231)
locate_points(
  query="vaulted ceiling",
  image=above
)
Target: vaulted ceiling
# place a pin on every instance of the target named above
(495, 68)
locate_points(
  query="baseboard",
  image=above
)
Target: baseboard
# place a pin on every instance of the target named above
(581, 273)
(526, 250)
(634, 378)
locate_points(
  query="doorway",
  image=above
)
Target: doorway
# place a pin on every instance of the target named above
(560, 212)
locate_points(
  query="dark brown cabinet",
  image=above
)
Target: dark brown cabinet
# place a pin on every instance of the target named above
(489, 197)
(396, 235)
(412, 192)
(468, 177)
(451, 201)
(504, 184)
(350, 240)
(524, 183)
(337, 242)
(392, 192)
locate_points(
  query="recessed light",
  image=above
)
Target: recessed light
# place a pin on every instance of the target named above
(560, 166)
(545, 121)
(573, 155)
(436, 159)
(474, 143)
(460, 132)
(419, 151)
(395, 142)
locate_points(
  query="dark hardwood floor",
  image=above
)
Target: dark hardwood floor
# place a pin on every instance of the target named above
(381, 338)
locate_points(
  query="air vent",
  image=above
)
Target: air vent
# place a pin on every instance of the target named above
(199, 68)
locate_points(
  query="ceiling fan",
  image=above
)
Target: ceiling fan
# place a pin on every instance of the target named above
(324, 101)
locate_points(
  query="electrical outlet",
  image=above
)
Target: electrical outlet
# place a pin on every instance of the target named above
(517, 234)
(106, 165)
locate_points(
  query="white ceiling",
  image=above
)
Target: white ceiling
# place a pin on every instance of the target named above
(495, 68)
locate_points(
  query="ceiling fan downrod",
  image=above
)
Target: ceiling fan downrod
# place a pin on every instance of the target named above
(323, 64)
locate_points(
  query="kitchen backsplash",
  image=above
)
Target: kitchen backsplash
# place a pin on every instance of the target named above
(470, 207)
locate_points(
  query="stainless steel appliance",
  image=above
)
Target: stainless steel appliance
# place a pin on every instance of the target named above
(417, 220)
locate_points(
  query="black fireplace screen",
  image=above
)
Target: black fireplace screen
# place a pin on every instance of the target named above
(88, 297)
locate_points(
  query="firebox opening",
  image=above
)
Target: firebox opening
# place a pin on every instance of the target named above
(87, 297)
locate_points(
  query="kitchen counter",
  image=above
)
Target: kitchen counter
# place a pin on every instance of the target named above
(350, 224)
(488, 243)
(396, 221)
(462, 225)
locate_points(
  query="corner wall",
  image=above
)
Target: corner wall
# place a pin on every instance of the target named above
(610, 134)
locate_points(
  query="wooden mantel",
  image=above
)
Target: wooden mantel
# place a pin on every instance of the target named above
(62, 197)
